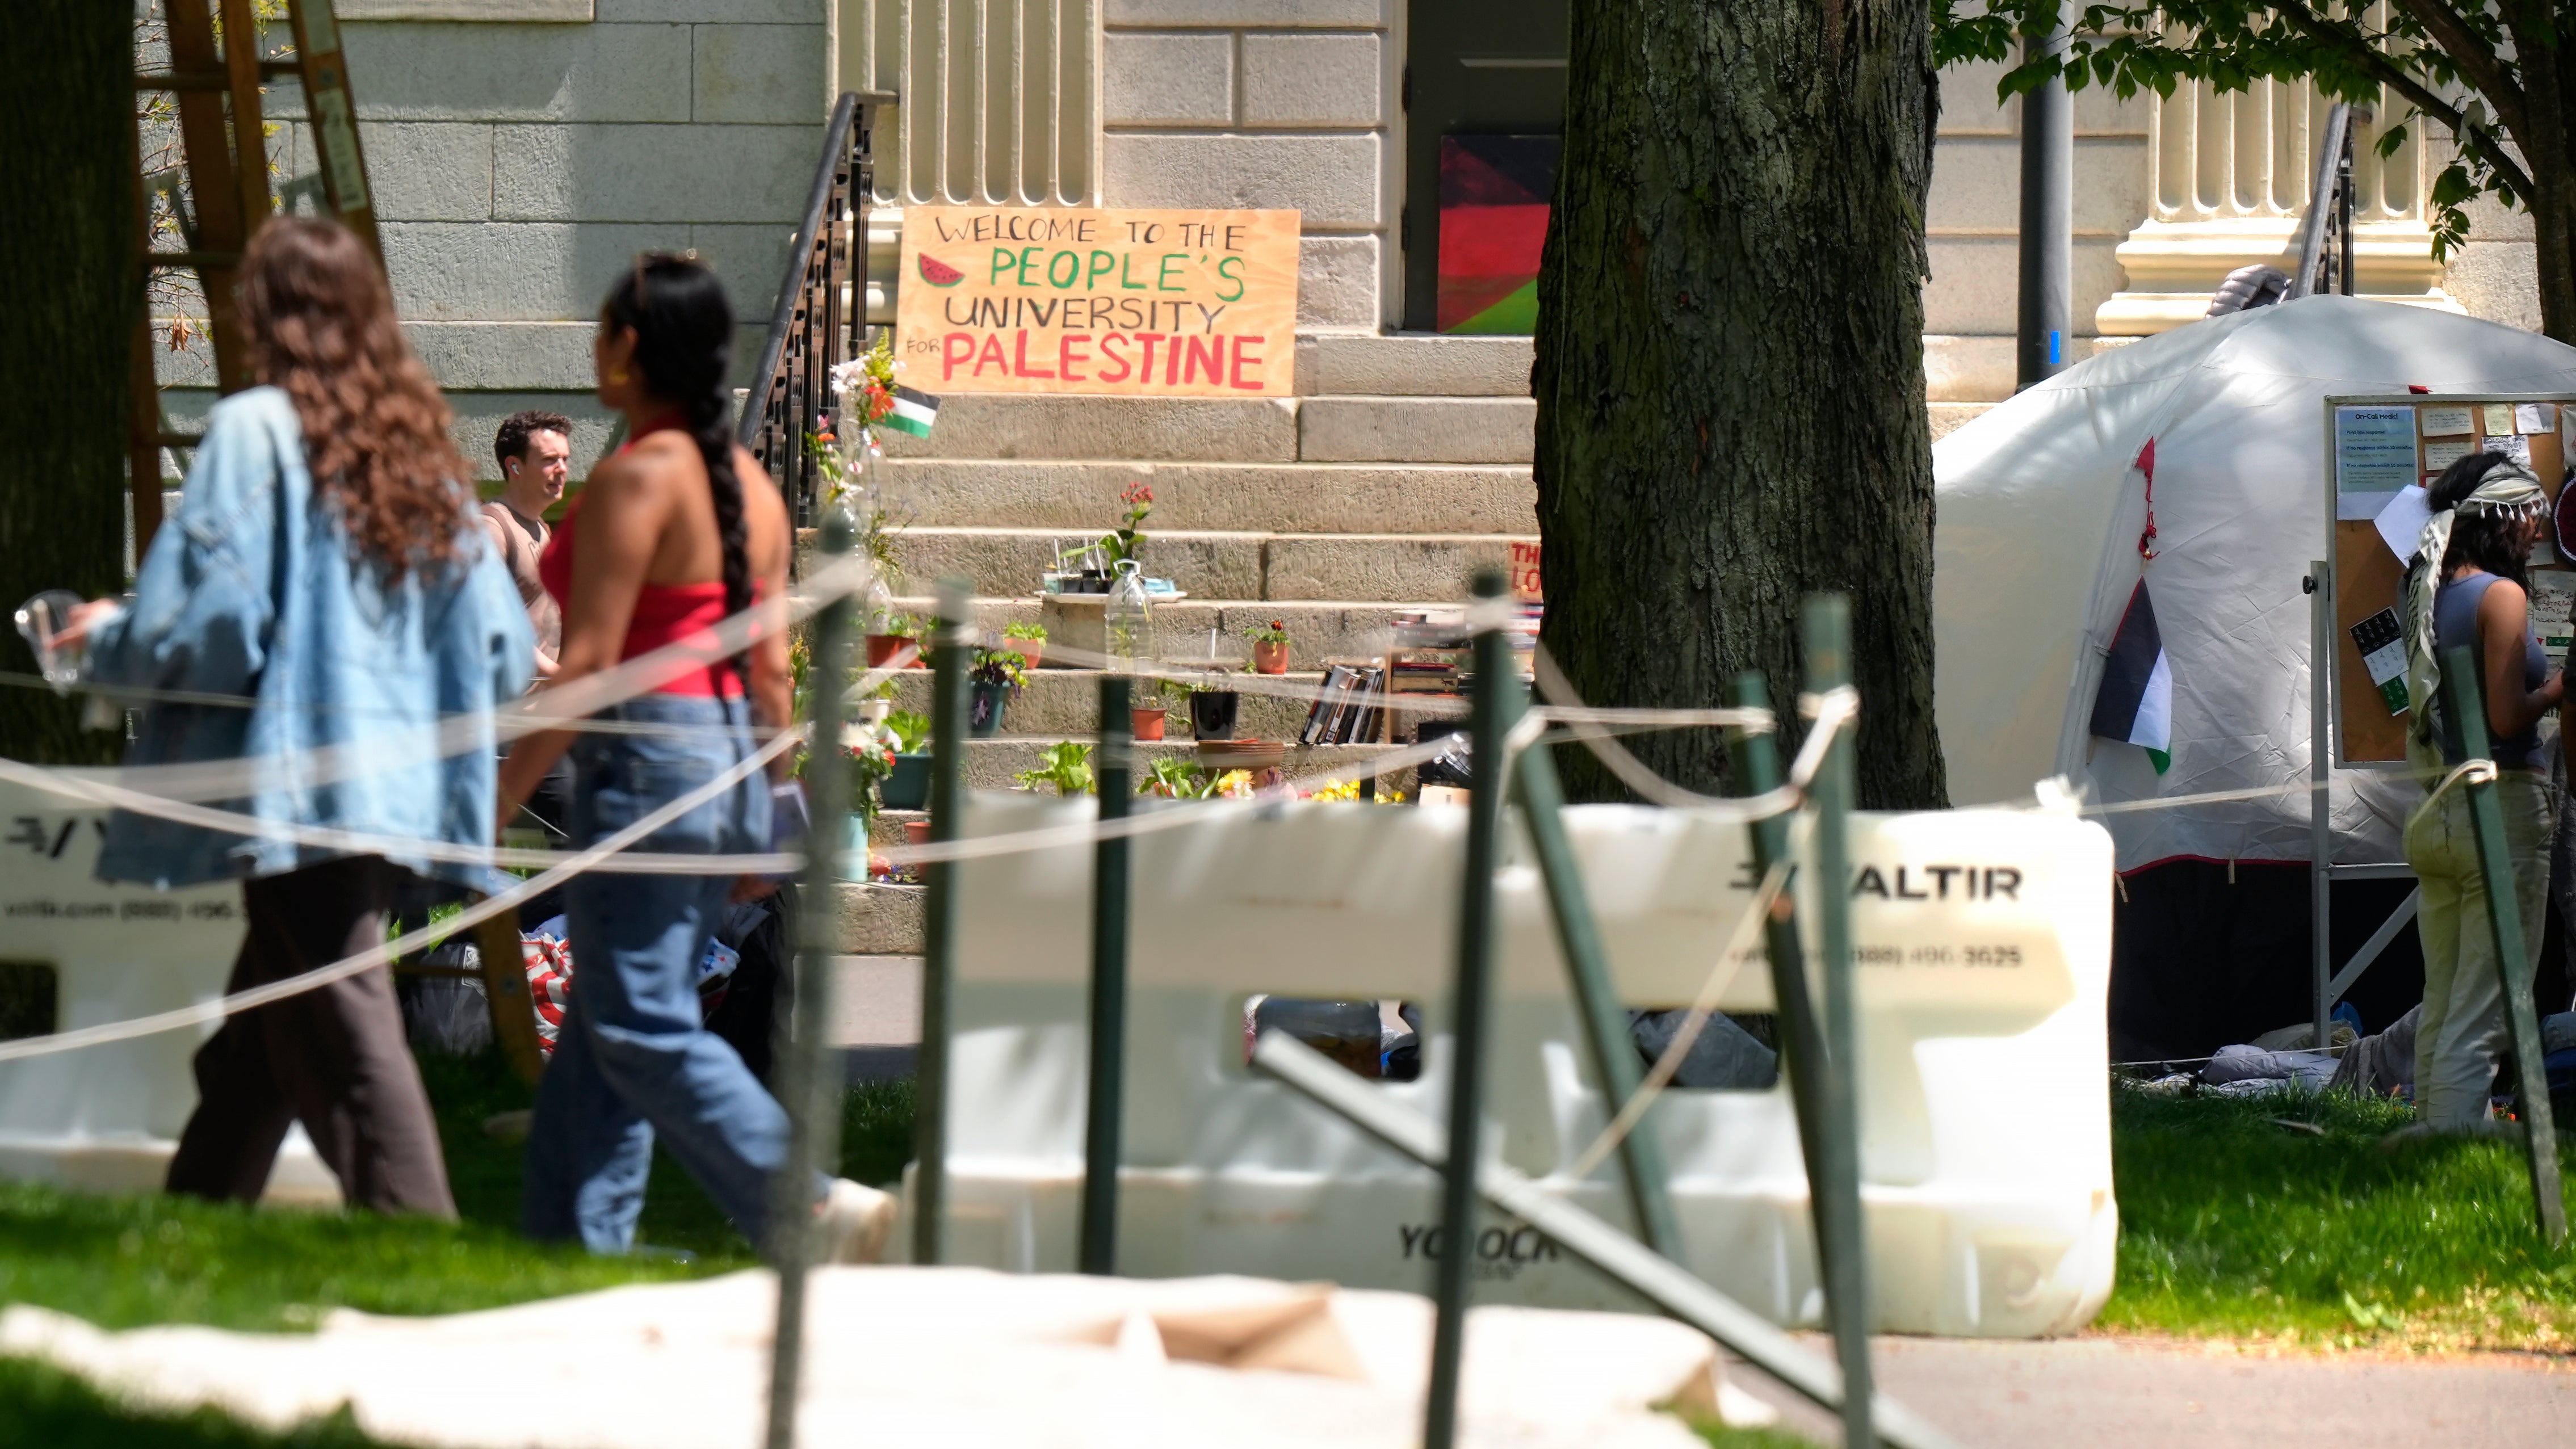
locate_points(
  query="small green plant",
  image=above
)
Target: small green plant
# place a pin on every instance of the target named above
(1119, 544)
(1174, 778)
(999, 666)
(1274, 632)
(1025, 631)
(906, 626)
(1066, 765)
(911, 730)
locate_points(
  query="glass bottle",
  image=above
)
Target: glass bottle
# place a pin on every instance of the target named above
(1127, 620)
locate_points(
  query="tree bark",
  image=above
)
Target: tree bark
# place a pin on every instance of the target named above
(1730, 369)
(68, 299)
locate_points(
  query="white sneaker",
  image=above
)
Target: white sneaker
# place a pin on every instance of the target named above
(853, 1223)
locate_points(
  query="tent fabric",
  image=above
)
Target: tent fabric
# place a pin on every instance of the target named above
(2036, 554)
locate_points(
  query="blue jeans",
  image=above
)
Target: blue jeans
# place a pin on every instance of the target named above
(633, 1058)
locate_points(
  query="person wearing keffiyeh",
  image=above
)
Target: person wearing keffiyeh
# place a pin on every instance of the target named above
(2469, 587)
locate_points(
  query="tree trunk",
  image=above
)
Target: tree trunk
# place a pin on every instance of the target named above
(2553, 203)
(68, 296)
(1730, 369)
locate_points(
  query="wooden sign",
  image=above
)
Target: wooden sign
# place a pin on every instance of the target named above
(1125, 303)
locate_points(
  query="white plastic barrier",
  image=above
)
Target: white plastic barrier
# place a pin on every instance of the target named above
(1984, 939)
(107, 1118)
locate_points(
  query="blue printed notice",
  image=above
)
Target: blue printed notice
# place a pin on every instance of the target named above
(2374, 458)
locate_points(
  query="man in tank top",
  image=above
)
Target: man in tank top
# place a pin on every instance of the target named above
(535, 452)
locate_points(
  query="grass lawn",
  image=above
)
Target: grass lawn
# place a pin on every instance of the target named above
(2234, 1226)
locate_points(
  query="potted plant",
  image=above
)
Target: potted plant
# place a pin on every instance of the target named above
(1269, 647)
(900, 629)
(907, 785)
(1027, 641)
(1213, 707)
(1174, 778)
(994, 678)
(1066, 765)
(1145, 718)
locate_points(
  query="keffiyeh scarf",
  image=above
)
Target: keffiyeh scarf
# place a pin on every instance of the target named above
(2510, 490)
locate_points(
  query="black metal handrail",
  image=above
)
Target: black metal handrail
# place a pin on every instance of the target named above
(2325, 236)
(813, 328)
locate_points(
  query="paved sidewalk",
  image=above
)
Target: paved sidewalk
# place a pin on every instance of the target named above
(2142, 1394)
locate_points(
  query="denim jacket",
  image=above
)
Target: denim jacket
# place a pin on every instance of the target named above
(253, 589)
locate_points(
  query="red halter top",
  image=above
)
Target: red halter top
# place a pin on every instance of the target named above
(664, 613)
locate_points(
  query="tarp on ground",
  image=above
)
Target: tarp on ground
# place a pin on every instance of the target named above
(2041, 504)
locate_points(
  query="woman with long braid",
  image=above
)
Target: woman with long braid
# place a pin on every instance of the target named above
(677, 531)
(2469, 587)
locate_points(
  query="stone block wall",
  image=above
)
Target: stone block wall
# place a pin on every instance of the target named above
(519, 161)
(1264, 103)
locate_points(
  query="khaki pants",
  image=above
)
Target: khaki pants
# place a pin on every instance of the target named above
(2463, 1026)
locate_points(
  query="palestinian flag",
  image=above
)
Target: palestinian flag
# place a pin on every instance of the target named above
(913, 412)
(2135, 703)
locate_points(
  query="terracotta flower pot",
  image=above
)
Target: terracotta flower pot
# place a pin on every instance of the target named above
(883, 647)
(916, 832)
(1270, 658)
(1030, 650)
(1145, 722)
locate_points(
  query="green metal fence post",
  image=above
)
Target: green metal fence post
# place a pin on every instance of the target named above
(809, 1085)
(1755, 758)
(949, 662)
(2464, 700)
(1468, 1012)
(1596, 998)
(1110, 765)
(1827, 629)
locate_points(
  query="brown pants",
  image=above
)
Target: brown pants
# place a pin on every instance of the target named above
(333, 1057)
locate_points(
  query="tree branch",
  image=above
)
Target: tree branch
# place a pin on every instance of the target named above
(2379, 67)
(2494, 79)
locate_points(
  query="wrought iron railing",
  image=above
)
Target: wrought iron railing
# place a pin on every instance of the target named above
(2325, 237)
(821, 318)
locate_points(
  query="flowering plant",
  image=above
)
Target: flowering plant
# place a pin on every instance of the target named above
(1274, 632)
(1121, 543)
(865, 383)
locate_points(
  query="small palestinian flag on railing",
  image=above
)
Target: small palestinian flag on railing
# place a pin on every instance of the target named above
(913, 412)
(2135, 703)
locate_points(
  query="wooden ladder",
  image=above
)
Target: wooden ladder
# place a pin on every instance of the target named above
(222, 140)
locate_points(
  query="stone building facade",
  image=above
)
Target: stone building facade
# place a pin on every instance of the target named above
(523, 150)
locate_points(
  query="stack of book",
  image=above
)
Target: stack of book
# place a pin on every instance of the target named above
(1350, 709)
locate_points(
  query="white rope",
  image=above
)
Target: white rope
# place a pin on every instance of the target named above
(473, 915)
(564, 706)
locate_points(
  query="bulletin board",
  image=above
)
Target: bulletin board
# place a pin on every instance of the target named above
(2377, 449)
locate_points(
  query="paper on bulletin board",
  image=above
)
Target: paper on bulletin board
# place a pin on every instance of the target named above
(2402, 522)
(2445, 422)
(2534, 417)
(2499, 419)
(2374, 458)
(1121, 302)
(2441, 454)
(2553, 609)
(2516, 447)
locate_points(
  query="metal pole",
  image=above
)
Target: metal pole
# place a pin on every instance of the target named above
(1828, 649)
(1110, 766)
(809, 1085)
(939, 926)
(1596, 998)
(1756, 759)
(2465, 702)
(2321, 659)
(1468, 1012)
(2343, 214)
(2047, 219)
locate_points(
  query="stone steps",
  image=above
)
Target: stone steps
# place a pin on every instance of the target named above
(1065, 704)
(1320, 631)
(1264, 566)
(1080, 496)
(1327, 429)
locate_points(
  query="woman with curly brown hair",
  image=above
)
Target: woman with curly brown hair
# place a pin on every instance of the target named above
(323, 568)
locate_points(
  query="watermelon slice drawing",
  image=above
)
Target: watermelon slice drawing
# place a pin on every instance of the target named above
(937, 273)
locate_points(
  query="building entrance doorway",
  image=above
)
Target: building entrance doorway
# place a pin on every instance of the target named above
(1487, 77)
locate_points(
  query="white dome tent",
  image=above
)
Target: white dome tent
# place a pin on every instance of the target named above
(2041, 506)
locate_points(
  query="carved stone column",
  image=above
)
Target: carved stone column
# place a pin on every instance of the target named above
(2230, 180)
